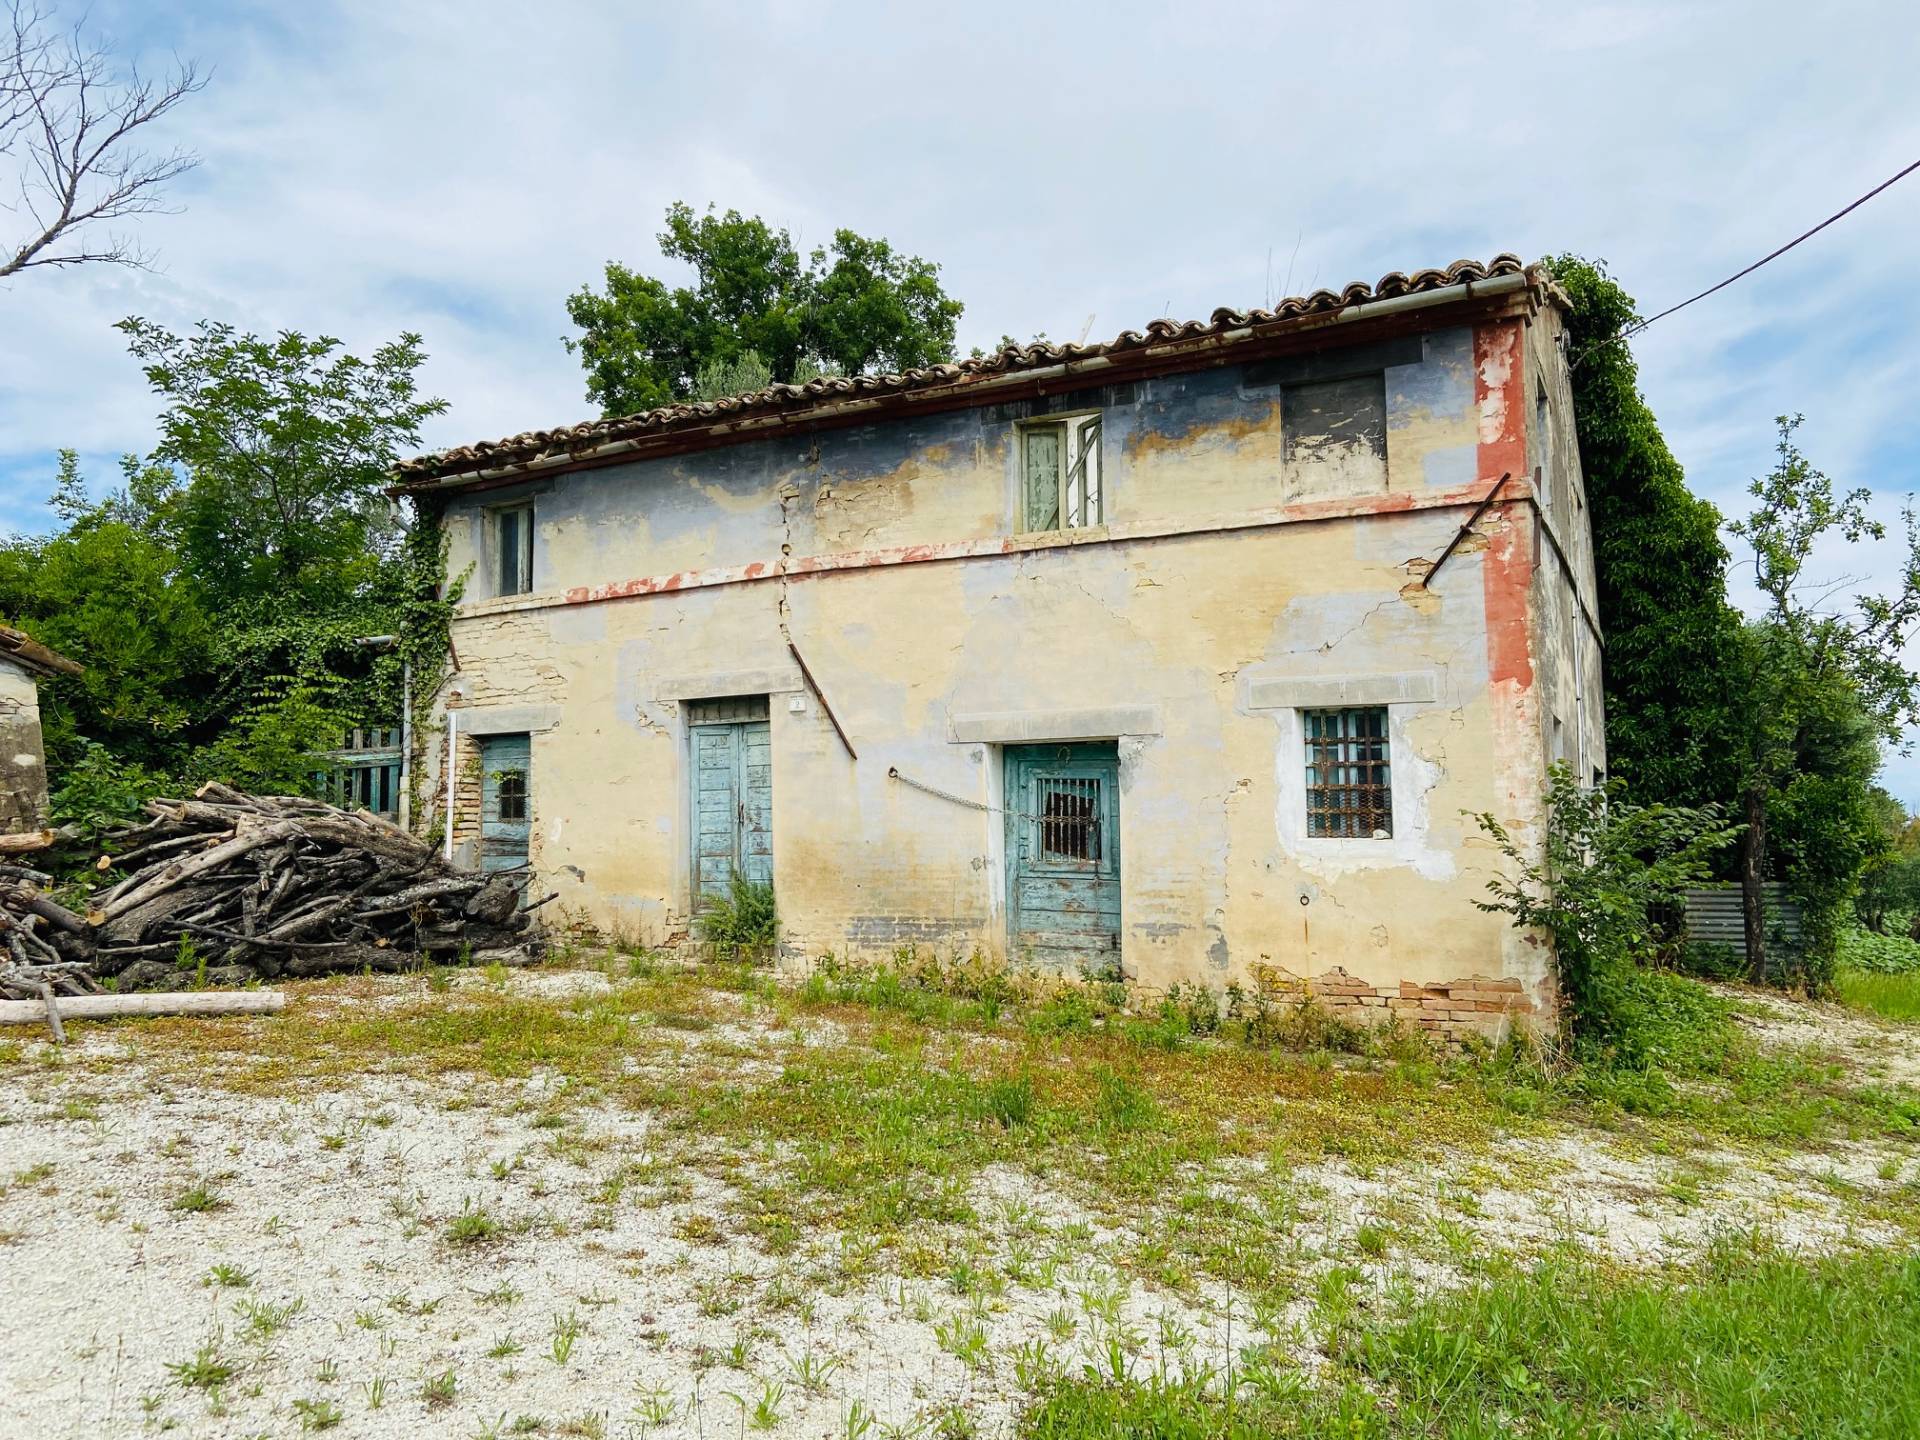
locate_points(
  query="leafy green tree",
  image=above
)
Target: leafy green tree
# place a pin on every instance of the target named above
(114, 594)
(1818, 689)
(1672, 637)
(740, 375)
(853, 307)
(286, 445)
(216, 596)
(1890, 882)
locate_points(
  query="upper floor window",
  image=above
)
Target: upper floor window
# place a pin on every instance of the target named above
(513, 550)
(1349, 773)
(1060, 474)
(1340, 422)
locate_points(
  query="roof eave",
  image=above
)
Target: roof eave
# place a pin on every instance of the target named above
(972, 389)
(30, 654)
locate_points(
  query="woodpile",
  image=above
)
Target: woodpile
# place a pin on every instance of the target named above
(256, 887)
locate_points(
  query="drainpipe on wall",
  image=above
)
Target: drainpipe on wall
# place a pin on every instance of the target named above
(453, 727)
(406, 746)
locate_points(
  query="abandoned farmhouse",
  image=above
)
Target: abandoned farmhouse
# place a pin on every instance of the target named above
(1175, 656)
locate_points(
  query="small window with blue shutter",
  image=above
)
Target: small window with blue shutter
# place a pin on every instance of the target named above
(1060, 474)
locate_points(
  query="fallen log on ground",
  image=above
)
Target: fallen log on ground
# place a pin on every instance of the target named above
(113, 1007)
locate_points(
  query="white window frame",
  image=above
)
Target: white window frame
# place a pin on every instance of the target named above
(1320, 763)
(1080, 502)
(1413, 776)
(522, 511)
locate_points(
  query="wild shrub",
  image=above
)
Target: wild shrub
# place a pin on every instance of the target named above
(1604, 866)
(743, 922)
(1280, 1012)
(1194, 1006)
(1891, 954)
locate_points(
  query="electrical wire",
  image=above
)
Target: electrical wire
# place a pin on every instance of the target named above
(1629, 331)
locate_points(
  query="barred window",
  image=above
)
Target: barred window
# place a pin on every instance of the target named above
(1349, 785)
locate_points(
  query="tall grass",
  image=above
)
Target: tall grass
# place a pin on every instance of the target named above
(1750, 1343)
(1895, 996)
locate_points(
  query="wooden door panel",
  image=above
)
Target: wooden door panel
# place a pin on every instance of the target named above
(506, 800)
(732, 804)
(1063, 854)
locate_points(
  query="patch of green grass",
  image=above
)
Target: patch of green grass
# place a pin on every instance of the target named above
(1896, 996)
(199, 1198)
(1749, 1343)
(935, 1072)
(473, 1225)
(318, 1414)
(265, 1319)
(438, 1391)
(207, 1369)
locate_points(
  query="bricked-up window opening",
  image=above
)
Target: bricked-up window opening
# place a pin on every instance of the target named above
(1342, 421)
(512, 794)
(1069, 819)
(1349, 784)
(513, 534)
(1060, 474)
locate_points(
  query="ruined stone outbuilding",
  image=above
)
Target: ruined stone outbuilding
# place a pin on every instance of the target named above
(1187, 656)
(24, 662)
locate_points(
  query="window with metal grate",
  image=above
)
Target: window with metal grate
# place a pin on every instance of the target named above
(1349, 774)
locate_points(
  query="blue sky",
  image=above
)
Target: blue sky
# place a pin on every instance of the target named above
(457, 169)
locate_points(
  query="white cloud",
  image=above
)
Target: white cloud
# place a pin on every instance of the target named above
(458, 169)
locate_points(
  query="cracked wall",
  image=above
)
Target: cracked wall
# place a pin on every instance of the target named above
(1233, 586)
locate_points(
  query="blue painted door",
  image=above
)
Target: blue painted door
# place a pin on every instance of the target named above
(732, 803)
(506, 800)
(1063, 855)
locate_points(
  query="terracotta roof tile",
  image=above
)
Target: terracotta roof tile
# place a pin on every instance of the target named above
(570, 439)
(23, 649)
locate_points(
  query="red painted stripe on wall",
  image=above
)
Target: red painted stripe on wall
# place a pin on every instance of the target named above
(1499, 393)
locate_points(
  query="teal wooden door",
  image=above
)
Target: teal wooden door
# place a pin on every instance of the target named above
(506, 800)
(1063, 855)
(732, 798)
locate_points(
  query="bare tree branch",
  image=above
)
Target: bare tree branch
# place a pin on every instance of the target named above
(72, 128)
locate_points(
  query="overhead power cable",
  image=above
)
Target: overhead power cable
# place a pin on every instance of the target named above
(1629, 331)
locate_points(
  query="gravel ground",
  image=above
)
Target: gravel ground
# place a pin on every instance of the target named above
(338, 1211)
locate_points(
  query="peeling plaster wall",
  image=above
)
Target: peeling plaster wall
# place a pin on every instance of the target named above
(23, 792)
(1205, 640)
(1565, 602)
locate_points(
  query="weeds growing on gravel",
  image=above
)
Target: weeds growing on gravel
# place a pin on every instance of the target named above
(1750, 1342)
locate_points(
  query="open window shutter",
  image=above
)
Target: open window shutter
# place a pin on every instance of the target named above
(1041, 449)
(508, 522)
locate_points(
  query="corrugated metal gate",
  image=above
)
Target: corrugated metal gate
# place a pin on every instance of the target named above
(1715, 915)
(732, 792)
(1063, 854)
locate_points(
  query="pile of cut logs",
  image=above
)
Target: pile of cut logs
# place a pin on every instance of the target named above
(243, 887)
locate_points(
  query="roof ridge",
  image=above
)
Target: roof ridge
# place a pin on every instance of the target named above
(1010, 359)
